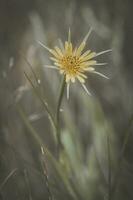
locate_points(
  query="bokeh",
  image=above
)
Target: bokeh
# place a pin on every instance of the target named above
(96, 130)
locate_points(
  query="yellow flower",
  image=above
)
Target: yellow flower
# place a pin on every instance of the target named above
(73, 63)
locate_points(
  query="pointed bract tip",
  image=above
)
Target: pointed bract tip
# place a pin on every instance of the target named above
(85, 88)
(44, 46)
(87, 36)
(69, 35)
(100, 74)
(103, 52)
(101, 64)
(68, 90)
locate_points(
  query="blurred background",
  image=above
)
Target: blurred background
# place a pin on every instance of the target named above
(89, 124)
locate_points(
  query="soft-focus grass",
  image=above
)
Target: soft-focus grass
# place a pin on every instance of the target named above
(96, 162)
(86, 173)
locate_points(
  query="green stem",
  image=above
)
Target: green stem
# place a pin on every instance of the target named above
(57, 117)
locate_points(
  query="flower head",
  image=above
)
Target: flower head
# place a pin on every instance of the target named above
(74, 62)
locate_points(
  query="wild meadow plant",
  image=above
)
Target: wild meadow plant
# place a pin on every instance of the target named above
(73, 64)
(72, 171)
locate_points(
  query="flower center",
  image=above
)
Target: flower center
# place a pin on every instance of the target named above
(70, 64)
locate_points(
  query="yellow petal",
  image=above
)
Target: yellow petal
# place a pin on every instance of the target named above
(81, 79)
(80, 49)
(70, 48)
(82, 75)
(58, 64)
(74, 51)
(89, 69)
(85, 54)
(89, 56)
(73, 79)
(92, 62)
(66, 46)
(55, 53)
(67, 78)
(61, 71)
(54, 59)
(59, 51)
(89, 63)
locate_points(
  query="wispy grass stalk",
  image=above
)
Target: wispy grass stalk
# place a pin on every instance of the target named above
(27, 183)
(48, 154)
(45, 173)
(38, 94)
(13, 172)
(109, 167)
(120, 162)
(44, 103)
(54, 122)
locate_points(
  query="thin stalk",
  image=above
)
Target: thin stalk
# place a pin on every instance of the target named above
(44, 103)
(119, 168)
(42, 99)
(45, 172)
(109, 167)
(51, 158)
(28, 125)
(57, 116)
(27, 184)
(127, 135)
(13, 172)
